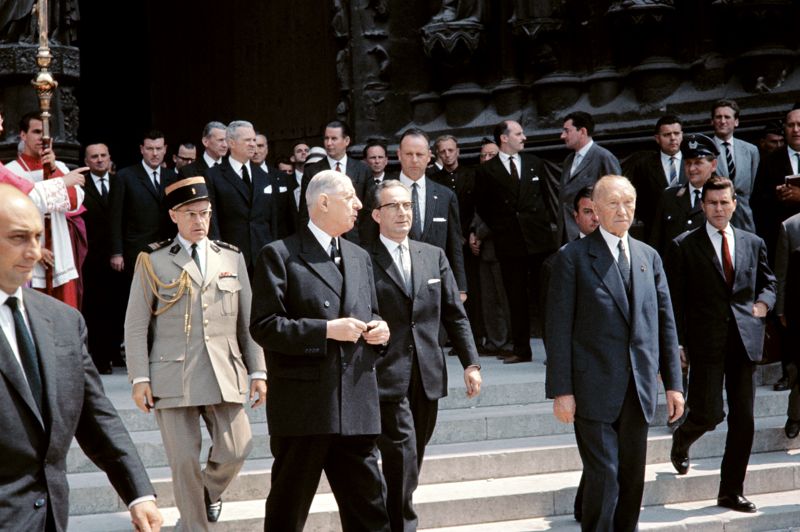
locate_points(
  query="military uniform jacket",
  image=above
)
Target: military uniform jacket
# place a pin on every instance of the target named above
(211, 365)
(674, 216)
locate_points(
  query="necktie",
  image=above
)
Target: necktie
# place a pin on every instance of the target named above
(216, 163)
(103, 188)
(729, 160)
(575, 164)
(334, 252)
(513, 169)
(416, 223)
(246, 178)
(27, 352)
(624, 265)
(697, 199)
(338, 166)
(405, 268)
(673, 172)
(727, 264)
(196, 258)
(155, 180)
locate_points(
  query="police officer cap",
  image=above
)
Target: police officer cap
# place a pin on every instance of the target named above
(698, 145)
(186, 191)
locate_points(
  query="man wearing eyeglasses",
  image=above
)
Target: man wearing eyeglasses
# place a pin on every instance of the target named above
(191, 297)
(416, 292)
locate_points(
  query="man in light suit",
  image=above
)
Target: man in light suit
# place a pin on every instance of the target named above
(722, 289)
(138, 216)
(416, 292)
(738, 160)
(519, 204)
(250, 208)
(315, 310)
(189, 353)
(610, 332)
(582, 168)
(51, 392)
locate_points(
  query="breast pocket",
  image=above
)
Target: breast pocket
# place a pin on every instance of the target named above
(229, 288)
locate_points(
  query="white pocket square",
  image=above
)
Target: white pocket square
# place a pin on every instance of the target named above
(535, 178)
(268, 189)
(440, 219)
(282, 189)
(434, 281)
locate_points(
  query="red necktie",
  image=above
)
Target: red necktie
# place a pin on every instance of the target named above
(338, 166)
(727, 265)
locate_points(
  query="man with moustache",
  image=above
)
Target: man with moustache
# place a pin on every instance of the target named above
(722, 289)
(416, 292)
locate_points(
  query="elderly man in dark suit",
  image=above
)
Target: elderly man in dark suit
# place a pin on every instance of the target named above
(138, 215)
(583, 167)
(51, 392)
(315, 311)
(610, 332)
(416, 292)
(722, 289)
(250, 208)
(518, 202)
(215, 148)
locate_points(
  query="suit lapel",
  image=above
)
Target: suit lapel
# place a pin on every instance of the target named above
(606, 268)
(386, 262)
(147, 182)
(639, 274)
(319, 262)
(417, 262)
(184, 261)
(707, 249)
(213, 263)
(431, 198)
(353, 273)
(740, 258)
(233, 178)
(11, 370)
(41, 330)
(584, 162)
(504, 178)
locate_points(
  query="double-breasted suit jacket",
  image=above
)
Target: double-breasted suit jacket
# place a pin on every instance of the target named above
(414, 321)
(675, 215)
(209, 363)
(247, 220)
(33, 469)
(316, 386)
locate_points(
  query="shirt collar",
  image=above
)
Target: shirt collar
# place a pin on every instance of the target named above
(17, 293)
(718, 141)
(332, 162)
(188, 245)
(392, 246)
(791, 151)
(583, 151)
(151, 170)
(712, 231)
(209, 160)
(665, 157)
(97, 178)
(237, 166)
(612, 241)
(322, 237)
(407, 181)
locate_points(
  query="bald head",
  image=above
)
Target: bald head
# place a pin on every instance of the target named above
(615, 202)
(20, 229)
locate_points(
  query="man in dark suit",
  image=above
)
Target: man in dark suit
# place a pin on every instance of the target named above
(416, 292)
(336, 140)
(652, 171)
(610, 332)
(790, 319)
(722, 289)
(738, 160)
(138, 216)
(680, 208)
(517, 201)
(104, 289)
(587, 163)
(315, 310)
(51, 392)
(215, 148)
(250, 208)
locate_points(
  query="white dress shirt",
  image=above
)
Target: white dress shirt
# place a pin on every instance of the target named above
(97, 183)
(237, 167)
(391, 246)
(612, 241)
(793, 160)
(7, 323)
(202, 251)
(150, 171)
(209, 161)
(407, 181)
(667, 165)
(342, 163)
(716, 241)
(693, 196)
(504, 158)
(322, 237)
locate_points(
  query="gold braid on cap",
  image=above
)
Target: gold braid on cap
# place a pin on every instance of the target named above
(183, 285)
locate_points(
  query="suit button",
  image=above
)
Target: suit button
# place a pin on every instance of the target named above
(205, 322)
(326, 304)
(39, 502)
(207, 338)
(411, 348)
(413, 324)
(205, 306)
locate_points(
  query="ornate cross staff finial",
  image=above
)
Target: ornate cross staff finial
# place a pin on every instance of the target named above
(44, 83)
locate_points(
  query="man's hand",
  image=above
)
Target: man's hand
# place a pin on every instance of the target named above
(674, 405)
(49, 159)
(143, 396)
(472, 380)
(474, 244)
(258, 392)
(463, 296)
(75, 177)
(760, 310)
(48, 258)
(684, 358)
(788, 193)
(782, 319)
(564, 408)
(377, 332)
(345, 329)
(146, 517)
(117, 263)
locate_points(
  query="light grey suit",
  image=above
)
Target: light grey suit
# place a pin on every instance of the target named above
(746, 159)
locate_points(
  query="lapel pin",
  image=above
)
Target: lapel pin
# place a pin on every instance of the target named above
(644, 268)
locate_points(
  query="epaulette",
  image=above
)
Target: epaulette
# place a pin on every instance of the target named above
(155, 246)
(225, 245)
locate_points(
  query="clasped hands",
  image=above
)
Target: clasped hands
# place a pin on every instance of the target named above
(375, 332)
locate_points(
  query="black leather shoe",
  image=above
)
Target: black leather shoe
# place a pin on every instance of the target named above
(516, 360)
(782, 385)
(792, 428)
(213, 509)
(736, 503)
(679, 458)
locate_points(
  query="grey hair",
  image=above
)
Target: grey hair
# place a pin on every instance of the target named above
(230, 132)
(384, 185)
(212, 125)
(325, 182)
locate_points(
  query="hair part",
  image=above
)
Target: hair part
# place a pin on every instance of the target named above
(211, 126)
(340, 124)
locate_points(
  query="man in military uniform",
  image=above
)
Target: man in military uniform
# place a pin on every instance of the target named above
(680, 208)
(191, 297)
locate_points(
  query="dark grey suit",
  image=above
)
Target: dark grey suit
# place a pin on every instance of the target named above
(323, 409)
(412, 375)
(607, 350)
(648, 177)
(746, 159)
(597, 163)
(33, 469)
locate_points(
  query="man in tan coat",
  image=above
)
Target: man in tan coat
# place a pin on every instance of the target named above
(191, 297)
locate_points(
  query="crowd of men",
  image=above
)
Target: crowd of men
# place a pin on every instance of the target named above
(342, 282)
